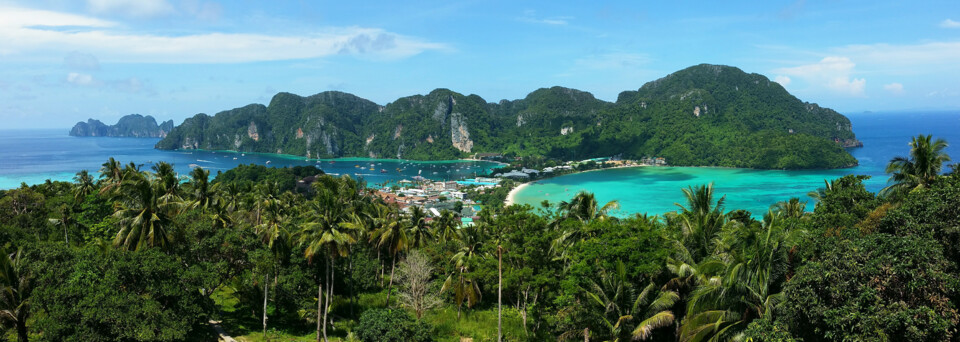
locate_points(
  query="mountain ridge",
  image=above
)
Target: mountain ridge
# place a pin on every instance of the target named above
(132, 125)
(704, 115)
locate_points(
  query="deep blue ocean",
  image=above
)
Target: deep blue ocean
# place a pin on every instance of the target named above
(32, 156)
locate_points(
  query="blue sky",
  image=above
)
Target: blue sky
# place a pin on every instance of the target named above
(65, 61)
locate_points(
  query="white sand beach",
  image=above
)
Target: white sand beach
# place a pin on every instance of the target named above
(510, 201)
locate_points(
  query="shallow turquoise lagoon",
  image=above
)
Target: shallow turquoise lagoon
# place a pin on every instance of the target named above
(654, 190)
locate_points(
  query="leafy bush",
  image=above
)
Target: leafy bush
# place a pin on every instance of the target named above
(386, 325)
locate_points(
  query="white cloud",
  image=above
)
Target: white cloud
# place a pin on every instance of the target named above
(894, 88)
(22, 32)
(949, 23)
(833, 73)
(16, 18)
(783, 80)
(132, 8)
(80, 79)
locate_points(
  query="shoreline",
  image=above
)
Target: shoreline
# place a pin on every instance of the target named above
(510, 200)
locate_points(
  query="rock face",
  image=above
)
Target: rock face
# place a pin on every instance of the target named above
(133, 125)
(663, 118)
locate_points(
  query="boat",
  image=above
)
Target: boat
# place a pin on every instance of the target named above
(234, 158)
(358, 165)
(268, 162)
(383, 170)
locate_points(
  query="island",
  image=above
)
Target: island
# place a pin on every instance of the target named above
(133, 125)
(704, 115)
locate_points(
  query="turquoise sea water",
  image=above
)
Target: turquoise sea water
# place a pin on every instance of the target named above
(33, 156)
(654, 190)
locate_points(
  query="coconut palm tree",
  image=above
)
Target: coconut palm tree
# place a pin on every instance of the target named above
(464, 287)
(85, 185)
(144, 220)
(627, 315)
(111, 174)
(329, 230)
(446, 226)
(201, 191)
(15, 288)
(584, 207)
(699, 220)
(790, 208)
(419, 232)
(168, 179)
(755, 267)
(392, 236)
(821, 193)
(919, 169)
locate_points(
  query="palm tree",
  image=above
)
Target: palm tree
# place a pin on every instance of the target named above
(446, 226)
(394, 238)
(15, 290)
(465, 288)
(756, 266)
(202, 192)
(332, 225)
(143, 219)
(419, 233)
(584, 207)
(85, 185)
(821, 193)
(699, 220)
(613, 295)
(790, 208)
(919, 169)
(273, 232)
(111, 174)
(329, 230)
(66, 221)
(168, 179)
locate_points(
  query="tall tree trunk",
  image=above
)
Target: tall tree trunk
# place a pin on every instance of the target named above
(380, 261)
(586, 334)
(499, 294)
(326, 313)
(266, 278)
(21, 331)
(319, 306)
(390, 288)
(326, 305)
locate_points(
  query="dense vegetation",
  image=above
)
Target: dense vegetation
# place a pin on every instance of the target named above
(141, 256)
(133, 125)
(703, 115)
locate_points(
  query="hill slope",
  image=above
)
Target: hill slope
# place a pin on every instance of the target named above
(133, 125)
(705, 115)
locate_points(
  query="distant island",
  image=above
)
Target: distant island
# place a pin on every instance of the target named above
(133, 125)
(705, 115)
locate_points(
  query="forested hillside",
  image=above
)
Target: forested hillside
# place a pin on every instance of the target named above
(705, 115)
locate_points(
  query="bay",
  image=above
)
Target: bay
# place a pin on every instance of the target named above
(33, 156)
(654, 190)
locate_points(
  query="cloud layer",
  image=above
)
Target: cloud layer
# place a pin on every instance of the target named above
(26, 31)
(832, 73)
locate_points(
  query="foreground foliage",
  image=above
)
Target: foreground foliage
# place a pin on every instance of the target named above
(143, 256)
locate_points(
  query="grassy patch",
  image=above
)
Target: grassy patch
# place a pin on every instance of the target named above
(479, 325)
